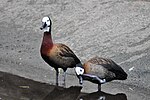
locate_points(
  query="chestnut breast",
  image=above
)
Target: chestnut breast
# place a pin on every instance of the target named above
(61, 56)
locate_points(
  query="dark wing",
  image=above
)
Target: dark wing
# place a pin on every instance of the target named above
(66, 52)
(110, 66)
(107, 63)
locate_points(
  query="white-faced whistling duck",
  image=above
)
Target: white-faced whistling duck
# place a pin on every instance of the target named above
(101, 70)
(57, 55)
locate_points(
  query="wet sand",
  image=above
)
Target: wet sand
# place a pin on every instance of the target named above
(115, 29)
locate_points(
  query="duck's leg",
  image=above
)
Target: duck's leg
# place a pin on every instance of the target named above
(64, 79)
(57, 73)
(99, 87)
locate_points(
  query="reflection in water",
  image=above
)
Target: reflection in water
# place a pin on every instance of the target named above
(13, 87)
(58, 93)
(99, 95)
(73, 93)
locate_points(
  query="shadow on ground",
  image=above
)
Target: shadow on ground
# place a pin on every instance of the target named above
(13, 87)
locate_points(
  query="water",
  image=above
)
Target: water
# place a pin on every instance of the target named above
(13, 87)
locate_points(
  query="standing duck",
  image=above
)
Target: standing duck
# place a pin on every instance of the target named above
(101, 70)
(57, 55)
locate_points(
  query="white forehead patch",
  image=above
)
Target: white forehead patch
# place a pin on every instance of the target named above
(45, 19)
(79, 70)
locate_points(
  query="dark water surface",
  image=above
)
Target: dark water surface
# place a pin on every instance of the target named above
(13, 87)
(17, 88)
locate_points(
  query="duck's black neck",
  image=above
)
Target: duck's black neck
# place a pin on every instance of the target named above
(47, 39)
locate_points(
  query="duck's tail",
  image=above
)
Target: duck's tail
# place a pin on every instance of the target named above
(121, 75)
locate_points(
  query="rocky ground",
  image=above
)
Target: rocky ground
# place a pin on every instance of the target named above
(116, 29)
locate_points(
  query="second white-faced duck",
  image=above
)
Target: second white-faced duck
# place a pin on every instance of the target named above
(100, 70)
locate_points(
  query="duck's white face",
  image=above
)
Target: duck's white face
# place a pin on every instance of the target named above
(79, 70)
(46, 23)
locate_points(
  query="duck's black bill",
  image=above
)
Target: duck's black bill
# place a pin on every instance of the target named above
(80, 80)
(43, 26)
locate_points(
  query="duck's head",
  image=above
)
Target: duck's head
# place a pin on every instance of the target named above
(79, 72)
(46, 24)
